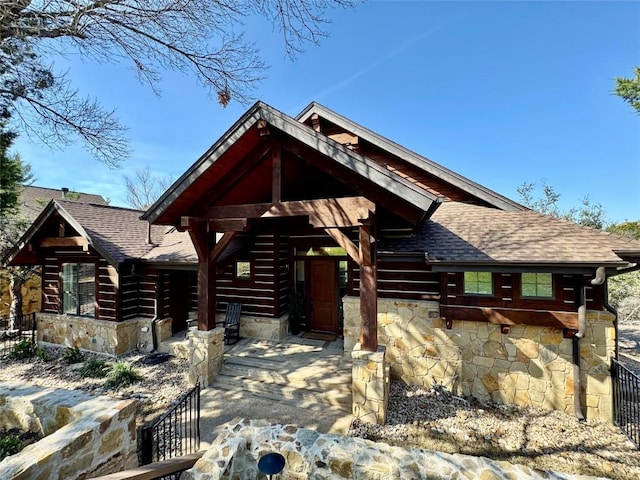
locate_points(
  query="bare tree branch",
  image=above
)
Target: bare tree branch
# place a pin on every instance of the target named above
(196, 37)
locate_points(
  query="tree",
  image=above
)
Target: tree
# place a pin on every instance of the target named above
(629, 90)
(191, 36)
(14, 173)
(588, 214)
(624, 289)
(143, 188)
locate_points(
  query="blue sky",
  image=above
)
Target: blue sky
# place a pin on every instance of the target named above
(500, 92)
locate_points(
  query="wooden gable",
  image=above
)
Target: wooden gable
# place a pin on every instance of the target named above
(239, 168)
(414, 168)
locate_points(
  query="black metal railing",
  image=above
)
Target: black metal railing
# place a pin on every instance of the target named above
(16, 329)
(626, 400)
(176, 433)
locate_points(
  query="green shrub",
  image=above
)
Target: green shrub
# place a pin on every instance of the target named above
(23, 349)
(95, 368)
(73, 355)
(122, 374)
(41, 353)
(9, 445)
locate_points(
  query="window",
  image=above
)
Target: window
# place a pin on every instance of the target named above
(537, 285)
(79, 289)
(478, 283)
(243, 270)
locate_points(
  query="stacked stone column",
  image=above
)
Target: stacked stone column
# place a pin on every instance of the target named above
(206, 350)
(370, 385)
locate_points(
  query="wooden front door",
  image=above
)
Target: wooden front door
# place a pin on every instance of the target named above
(324, 295)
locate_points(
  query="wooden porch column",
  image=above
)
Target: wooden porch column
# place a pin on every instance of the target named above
(368, 291)
(200, 236)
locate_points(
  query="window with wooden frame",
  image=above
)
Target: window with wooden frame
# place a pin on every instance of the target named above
(478, 283)
(242, 270)
(536, 285)
(79, 289)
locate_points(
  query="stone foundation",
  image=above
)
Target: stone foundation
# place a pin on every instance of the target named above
(370, 387)
(101, 336)
(527, 366)
(206, 350)
(85, 436)
(262, 328)
(239, 445)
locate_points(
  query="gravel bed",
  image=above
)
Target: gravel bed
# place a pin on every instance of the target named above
(160, 386)
(434, 419)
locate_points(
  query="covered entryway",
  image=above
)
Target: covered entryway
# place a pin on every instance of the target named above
(265, 178)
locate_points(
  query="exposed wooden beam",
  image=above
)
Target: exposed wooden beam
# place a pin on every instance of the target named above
(323, 213)
(220, 247)
(232, 177)
(276, 172)
(198, 233)
(357, 181)
(201, 239)
(315, 122)
(65, 242)
(263, 127)
(368, 287)
(229, 225)
(365, 245)
(368, 308)
(506, 316)
(346, 243)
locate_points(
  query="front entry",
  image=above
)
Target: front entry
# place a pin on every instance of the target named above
(323, 293)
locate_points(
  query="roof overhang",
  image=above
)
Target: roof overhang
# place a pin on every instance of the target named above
(393, 183)
(408, 156)
(508, 267)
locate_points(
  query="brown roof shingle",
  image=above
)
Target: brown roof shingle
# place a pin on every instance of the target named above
(465, 233)
(121, 235)
(33, 199)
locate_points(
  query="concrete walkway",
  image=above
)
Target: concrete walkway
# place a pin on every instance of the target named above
(299, 358)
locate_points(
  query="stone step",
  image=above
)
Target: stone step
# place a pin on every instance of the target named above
(295, 396)
(311, 378)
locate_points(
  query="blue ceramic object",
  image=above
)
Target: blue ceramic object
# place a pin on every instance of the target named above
(271, 463)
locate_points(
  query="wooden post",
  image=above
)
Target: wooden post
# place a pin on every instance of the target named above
(200, 236)
(368, 292)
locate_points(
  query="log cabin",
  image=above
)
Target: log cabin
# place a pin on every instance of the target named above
(110, 281)
(336, 229)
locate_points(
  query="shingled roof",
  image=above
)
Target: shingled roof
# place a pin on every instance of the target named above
(118, 234)
(464, 234)
(33, 199)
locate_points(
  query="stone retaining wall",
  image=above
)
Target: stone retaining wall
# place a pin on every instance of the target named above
(262, 328)
(86, 436)
(527, 366)
(101, 336)
(239, 445)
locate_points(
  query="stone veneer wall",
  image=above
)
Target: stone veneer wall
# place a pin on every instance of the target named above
(239, 445)
(101, 336)
(31, 294)
(528, 366)
(263, 328)
(86, 436)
